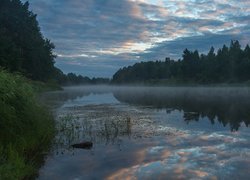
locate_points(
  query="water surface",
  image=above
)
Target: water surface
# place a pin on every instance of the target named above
(150, 133)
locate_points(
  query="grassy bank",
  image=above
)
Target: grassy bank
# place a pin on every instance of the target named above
(26, 127)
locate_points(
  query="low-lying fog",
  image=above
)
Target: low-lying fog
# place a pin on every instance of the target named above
(150, 132)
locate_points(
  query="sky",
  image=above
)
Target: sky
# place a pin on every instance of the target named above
(97, 37)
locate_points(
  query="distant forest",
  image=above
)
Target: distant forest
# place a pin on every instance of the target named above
(23, 48)
(228, 65)
(73, 79)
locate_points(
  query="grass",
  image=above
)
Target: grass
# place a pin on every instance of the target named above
(26, 128)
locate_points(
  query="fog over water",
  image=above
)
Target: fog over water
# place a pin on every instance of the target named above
(150, 132)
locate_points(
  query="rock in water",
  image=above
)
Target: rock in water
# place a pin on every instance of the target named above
(83, 145)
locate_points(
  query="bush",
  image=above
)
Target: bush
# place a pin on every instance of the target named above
(26, 128)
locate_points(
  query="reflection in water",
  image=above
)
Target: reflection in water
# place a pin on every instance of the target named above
(227, 106)
(212, 158)
(133, 138)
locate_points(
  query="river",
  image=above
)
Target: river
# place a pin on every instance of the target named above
(149, 133)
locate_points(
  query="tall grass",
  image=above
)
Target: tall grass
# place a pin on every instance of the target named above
(26, 128)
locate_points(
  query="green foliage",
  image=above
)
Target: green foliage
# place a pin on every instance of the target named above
(26, 127)
(40, 87)
(22, 46)
(229, 65)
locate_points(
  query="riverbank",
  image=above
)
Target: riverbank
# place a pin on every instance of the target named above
(27, 127)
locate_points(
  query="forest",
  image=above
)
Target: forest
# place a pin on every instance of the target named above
(73, 79)
(227, 65)
(23, 48)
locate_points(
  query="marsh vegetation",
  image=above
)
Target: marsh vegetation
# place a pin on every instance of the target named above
(150, 132)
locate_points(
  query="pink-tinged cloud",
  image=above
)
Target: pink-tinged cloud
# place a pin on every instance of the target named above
(114, 30)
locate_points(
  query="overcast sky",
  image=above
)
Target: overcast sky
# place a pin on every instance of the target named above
(97, 37)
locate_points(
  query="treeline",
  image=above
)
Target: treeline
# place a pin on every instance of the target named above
(22, 45)
(229, 65)
(23, 48)
(73, 79)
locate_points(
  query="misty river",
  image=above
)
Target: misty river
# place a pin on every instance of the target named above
(149, 133)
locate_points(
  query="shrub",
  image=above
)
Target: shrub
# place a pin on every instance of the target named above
(26, 127)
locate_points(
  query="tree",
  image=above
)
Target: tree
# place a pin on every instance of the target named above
(228, 65)
(22, 46)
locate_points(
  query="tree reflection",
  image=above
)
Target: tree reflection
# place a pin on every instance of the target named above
(227, 106)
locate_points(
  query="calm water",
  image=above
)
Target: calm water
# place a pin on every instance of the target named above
(150, 133)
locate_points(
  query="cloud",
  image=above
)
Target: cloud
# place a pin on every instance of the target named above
(174, 48)
(105, 66)
(109, 34)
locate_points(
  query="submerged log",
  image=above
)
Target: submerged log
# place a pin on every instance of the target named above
(83, 145)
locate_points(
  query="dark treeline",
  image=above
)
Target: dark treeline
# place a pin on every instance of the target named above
(228, 65)
(23, 48)
(73, 79)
